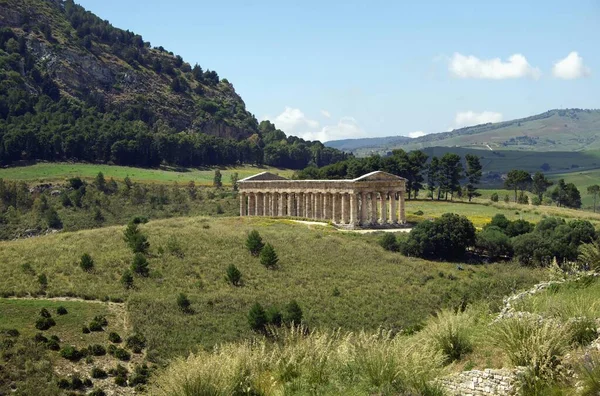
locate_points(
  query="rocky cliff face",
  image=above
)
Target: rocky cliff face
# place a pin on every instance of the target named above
(90, 60)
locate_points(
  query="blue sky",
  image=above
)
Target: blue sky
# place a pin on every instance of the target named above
(332, 70)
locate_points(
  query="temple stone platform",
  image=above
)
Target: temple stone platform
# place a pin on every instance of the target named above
(372, 201)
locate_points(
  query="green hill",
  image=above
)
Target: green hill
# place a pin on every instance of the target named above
(74, 87)
(569, 130)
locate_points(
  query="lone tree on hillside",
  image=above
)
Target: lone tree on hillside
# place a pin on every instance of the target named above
(473, 174)
(86, 263)
(594, 190)
(257, 318)
(233, 275)
(540, 185)
(293, 314)
(254, 243)
(268, 257)
(518, 180)
(183, 303)
(217, 179)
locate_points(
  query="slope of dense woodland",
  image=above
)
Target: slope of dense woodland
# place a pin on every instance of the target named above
(72, 86)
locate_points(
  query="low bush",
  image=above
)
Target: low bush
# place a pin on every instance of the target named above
(85, 330)
(494, 243)
(53, 345)
(97, 392)
(71, 353)
(118, 370)
(121, 381)
(127, 279)
(97, 350)
(257, 317)
(268, 257)
(233, 275)
(114, 337)
(44, 323)
(183, 303)
(583, 331)
(494, 197)
(293, 314)
(95, 326)
(98, 373)
(44, 313)
(122, 354)
(140, 265)
(254, 243)
(450, 333)
(61, 310)
(274, 316)
(388, 242)
(86, 263)
(136, 343)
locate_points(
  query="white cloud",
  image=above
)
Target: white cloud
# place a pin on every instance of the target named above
(293, 121)
(470, 118)
(416, 134)
(346, 128)
(571, 67)
(517, 66)
(326, 114)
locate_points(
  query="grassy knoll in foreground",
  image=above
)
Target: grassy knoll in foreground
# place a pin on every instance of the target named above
(51, 172)
(190, 255)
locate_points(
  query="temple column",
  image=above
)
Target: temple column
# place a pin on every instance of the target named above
(383, 200)
(345, 208)
(282, 205)
(300, 205)
(402, 203)
(252, 204)
(307, 208)
(373, 207)
(353, 208)
(393, 208)
(243, 204)
(327, 206)
(336, 207)
(318, 201)
(290, 205)
(363, 208)
(273, 206)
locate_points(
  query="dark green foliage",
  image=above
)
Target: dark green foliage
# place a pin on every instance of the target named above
(127, 279)
(122, 354)
(257, 318)
(114, 337)
(61, 310)
(44, 313)
(71, 353)
(118, 370)
(140, 265)
(136, 343)
(217, 179)
(85, 330)
(98, 373)
(473, 174)
(95, 326)
(44, 323)
(97, 350)
(64, 383)
(121, 381)
(233, 275)
(540, 184)
(52, 219)
(274, 316)
(40, 338)
(97, 392)
(76, 382)
(135, 239)
(140, 375)
(254, 243)
(174, 247)
(389, 242)
(499, 221)
(183, 302)
(293, 313)
(43, 281)
(268, 257)
(53, 345)
(86, 263)
(494, 243)
(583, 331)
(567, 195)
(519, 180)
(445, 238)
(519, 227)
(494, 197)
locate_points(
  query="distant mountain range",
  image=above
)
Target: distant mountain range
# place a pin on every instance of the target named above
(568, 130)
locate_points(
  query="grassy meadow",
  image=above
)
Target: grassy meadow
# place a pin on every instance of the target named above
(375, 288)
(53, 172)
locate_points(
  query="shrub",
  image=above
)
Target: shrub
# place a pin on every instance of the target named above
(97, 350)
(111, 350)
(61, 310)
(97, 392)
(63, 383)
(583, 331)
(98, 373)
(293, 313)
(519, 227)
(44, 323)
(500, 221)
(86, 263)
(174, 247)
(85, 330)
(140, 375)
(114, 337)
(122, 354)
(136, 343)
(494, 197)
(71, 353)
(140, 265)
(506, 199)
(274, 316)
(523, 199)
(254, 243)
(257, 317)
(121, 381)
(444, 238)
(268, 257)
(536, 201)
(494, 243)
(44, 313)
(532, 249)
(76, 382)
(183, 302)
(53, 345)
(127, 279)
(118, 370)
(233, 275)
(40, 338)
(52, 219)
(43, 281)
(389, 242)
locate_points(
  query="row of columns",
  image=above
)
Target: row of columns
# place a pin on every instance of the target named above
(362, 208)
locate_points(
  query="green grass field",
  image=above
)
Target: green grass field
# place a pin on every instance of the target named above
(52, 172)
(377, 288)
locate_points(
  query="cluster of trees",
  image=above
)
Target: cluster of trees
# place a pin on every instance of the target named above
(443, 174)
(563, 194)
(451, 237)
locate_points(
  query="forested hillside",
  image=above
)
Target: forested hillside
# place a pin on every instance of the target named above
(73, 87)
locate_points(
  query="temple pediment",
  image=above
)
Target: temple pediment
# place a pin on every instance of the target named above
(379, 176)
(264, 176)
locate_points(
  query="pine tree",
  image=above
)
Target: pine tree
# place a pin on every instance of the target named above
(257, 317)
(183, 303)
(254, 243)
(86, 263)
(293, 313)
(268, 257)
(140, 265)
(473, 174)
(127, 279)
(233, 275)
(217, 179)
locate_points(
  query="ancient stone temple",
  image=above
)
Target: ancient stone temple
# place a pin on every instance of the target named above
(370, 201)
